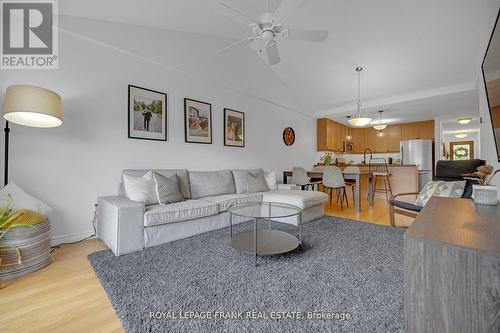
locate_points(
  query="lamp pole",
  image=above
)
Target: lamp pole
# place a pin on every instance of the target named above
(6, 130)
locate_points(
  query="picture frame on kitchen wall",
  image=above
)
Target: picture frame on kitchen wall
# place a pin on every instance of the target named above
(147, 114)
(197, 121)
(234, 128)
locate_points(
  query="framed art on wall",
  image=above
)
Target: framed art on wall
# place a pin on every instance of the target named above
(147, 114)
(234, 128)
(288, 136)
(197, 121)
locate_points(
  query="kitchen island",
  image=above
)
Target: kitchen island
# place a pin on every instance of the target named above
(403, 179)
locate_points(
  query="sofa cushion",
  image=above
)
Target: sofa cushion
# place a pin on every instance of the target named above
(250, 181)
(140, 188)
(301, 199)
(182, 174)
(210, 183)
(167, 189)
(439, 188)
(179, 211)
(226, 201)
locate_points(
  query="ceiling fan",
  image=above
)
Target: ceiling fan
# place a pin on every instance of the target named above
(268, 28)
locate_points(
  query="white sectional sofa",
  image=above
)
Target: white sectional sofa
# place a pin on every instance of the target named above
(127, 226)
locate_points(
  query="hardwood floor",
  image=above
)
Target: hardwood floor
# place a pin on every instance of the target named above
(66, 296)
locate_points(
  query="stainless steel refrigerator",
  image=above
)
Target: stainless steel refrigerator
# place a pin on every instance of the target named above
(418, 152)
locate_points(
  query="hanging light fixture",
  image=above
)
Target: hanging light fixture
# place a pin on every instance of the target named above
(359, 121)
(461, 135)
(380, 126)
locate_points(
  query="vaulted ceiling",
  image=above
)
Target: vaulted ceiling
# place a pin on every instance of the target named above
(413, 52)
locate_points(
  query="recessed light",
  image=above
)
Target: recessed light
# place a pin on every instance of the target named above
(460, 135)
(464, 121)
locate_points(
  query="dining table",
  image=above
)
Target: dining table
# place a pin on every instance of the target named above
(317, 173)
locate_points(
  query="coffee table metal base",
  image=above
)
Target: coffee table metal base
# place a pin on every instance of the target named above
(269, 242)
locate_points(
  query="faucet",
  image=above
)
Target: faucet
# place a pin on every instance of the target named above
(364, 154)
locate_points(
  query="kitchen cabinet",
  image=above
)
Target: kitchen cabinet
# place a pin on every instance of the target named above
(426, 129)
(381, 141)
(393, 137)
(409, 131)
(358, 140)
(370, 138)
(330, 135)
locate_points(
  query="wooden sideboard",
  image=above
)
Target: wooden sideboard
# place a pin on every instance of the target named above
(452, 268)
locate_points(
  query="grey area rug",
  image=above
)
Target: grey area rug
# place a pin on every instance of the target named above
(350, 271)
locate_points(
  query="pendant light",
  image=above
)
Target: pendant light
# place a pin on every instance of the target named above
(359, 121)
(380, 126)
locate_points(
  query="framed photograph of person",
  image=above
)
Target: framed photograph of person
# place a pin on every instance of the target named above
(147, 114)
(234, 128)
(197, 121)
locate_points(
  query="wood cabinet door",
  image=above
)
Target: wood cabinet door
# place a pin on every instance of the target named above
(321, 135)
(370, 138)
(409, 131)
(393, 137)
(426, 129)
(381, 141)
(358, 140)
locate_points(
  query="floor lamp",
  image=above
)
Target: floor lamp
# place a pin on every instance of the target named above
(29, 106)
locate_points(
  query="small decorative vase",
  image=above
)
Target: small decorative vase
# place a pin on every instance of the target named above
(485, 195)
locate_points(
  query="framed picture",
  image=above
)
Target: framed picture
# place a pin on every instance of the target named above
(197, 121)
(147, 114)
(288, 136)
(234, 128)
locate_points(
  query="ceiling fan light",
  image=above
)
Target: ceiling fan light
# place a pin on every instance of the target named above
(464, 121)
(380, 127)
(359, 122)
(460, 135)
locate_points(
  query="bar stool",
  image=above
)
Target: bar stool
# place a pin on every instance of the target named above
(378, 168)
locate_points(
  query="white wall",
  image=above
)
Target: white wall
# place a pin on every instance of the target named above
(471, 136)
(70, 166)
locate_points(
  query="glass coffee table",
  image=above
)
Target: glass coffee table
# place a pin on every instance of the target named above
(264, 241)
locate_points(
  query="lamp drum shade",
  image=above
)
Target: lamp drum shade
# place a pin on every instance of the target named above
(32, 106)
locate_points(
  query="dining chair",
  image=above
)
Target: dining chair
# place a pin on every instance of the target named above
(333, 179)
(352, 182)
(300, 178)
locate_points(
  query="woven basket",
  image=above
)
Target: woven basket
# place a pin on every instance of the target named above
(34, 244)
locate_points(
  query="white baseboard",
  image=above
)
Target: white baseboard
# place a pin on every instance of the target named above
(69, 238)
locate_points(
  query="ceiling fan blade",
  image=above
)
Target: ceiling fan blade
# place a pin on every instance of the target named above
(239, 43)
(233, 14)
(287, 7)
(273, 55)
(308, 35)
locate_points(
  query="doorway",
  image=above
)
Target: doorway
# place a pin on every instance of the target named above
(462, 150)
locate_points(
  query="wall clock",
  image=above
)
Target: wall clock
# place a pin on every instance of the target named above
(288, 136)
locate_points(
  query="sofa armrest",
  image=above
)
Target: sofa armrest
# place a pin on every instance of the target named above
(120, 224)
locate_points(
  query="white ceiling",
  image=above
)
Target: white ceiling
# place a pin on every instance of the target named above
(413, 52)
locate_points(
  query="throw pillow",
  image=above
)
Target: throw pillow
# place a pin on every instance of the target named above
(168, 189)
(22, 200)
(250, 181)
(140, 189)
(271, 180)
(440, 189)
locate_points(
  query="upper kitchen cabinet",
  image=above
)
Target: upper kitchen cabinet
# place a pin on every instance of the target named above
(426, 129)
(358, 139)
(393, 137)
(370, 138)
(330, 135)
(409, 131)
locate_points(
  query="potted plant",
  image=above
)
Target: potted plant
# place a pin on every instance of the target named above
(7, 219)
(326, 159)
(484, 193)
